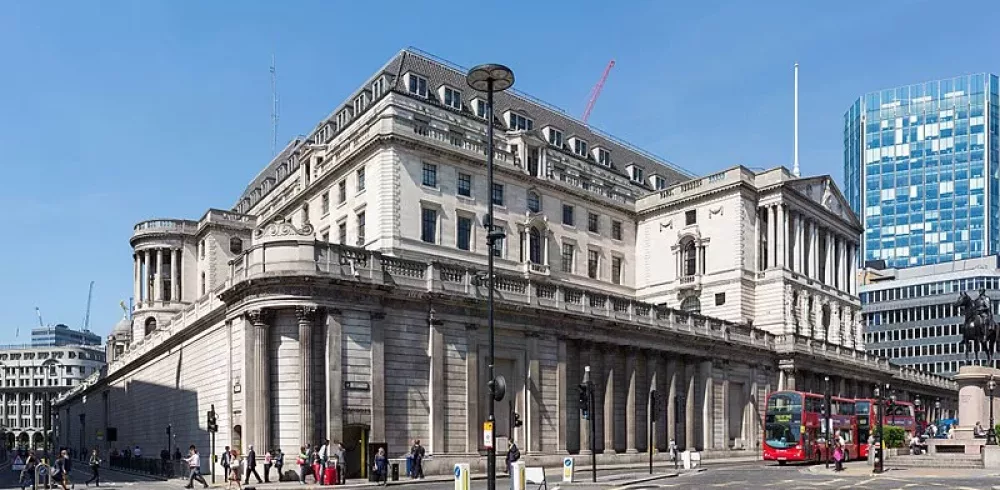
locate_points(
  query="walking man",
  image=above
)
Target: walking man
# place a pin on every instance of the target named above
(194, 467)
(252, 466)
(95, 465)
(226, 462)
(417, 452)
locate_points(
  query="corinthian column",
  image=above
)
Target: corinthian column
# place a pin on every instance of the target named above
(258, 396)
(307, 411)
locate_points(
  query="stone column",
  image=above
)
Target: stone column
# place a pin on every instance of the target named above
(436, 384)
(334, 376)
(532, 430)
(609, 399)
(158, 278)
(630, 402)
(472, 418)
(707, 404)
(756, 241)
(136, 277)
(786, 375)
(378, 378)
(258, 392)
(753, 427)
(562, 387)
(689, 416)
(175, 276)
(307, 411)
(725, 409)
(800, 252)
(597, 375)
(147, 277)
(829, 258)
(585, 360)
(770, 236)
(813, 252)
(652, 384)
(673, 390)
(782, 228)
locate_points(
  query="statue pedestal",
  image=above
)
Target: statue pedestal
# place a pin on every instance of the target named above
(973, 402)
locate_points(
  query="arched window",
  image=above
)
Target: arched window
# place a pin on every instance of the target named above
(534, 202)
(689, 258)
(691, 304)
(535, 245)
(150, 325)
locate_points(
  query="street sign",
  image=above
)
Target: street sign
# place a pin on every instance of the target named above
(18, 464)
(488, 435)
(462, 476)
(567, 470)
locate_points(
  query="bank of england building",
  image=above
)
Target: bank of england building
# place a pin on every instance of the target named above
(343, 295)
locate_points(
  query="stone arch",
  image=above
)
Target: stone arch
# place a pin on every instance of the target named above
(691, 304)
(150, 325)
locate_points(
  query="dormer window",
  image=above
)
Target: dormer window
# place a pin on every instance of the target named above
(360, 103)
(518, 122)
(634, 172)
(416, 84)
(554, 136)
(659, 183)
(579, 147)
(378, 87)
(603, 157)
(344, 117)
(451, 97)
(480, 105)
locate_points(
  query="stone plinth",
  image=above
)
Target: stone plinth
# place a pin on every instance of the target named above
(973, 402)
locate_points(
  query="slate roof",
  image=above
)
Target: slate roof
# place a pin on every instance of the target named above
(439, 72)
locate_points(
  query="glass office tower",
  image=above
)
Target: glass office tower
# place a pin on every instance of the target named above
(920, 170)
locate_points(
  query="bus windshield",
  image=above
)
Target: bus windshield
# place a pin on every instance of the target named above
(784, 420)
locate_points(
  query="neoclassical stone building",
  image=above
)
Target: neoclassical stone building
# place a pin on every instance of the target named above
(342, 296)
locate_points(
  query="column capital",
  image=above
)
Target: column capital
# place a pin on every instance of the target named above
(258, 316)
(306, 313)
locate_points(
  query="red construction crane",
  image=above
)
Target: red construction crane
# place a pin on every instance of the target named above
(596, 92)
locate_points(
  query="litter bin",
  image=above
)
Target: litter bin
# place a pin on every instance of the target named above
(395, 472)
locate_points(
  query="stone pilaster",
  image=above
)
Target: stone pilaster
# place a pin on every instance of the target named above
(707, 404)
(562, 388)
(473, 421)
(673, 391)
(258, 396)
(585, 434)
(689, 405)
(306, 316)
(378, 377)
(532, 431)
(631, 424)
(437, 384)
(334, 376)
(610, 358)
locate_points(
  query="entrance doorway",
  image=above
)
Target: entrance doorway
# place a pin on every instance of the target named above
(355, 450)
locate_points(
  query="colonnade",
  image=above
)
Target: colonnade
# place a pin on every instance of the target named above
(157, 276)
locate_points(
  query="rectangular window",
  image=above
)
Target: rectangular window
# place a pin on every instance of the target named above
(604, 157)
(659, 183)
(567, 258)
(481, 108)
(690, 217)
(593, 260)
(593, 222)
(616, 270)
(342, 233)
(417, 85)
(430, 176)
(452, 98)
(428, 229)
(342, 192)
(637, 175)
(555, 137)
(361, 229)
(498, 194)
(580, 147)
(464, 185)
(616, 230)
(519, 122)
(361, 179)
(720, 299)
(567, 214)
(325, 203)
(464, 233)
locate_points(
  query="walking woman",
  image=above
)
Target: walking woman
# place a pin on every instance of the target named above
(61, 472)
(28, 473)
(381, 467)
(234, 470)
(95, 465)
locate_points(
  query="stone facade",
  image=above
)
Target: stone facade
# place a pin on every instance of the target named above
(343, 297)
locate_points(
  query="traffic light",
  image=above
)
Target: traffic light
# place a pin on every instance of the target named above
(213, 425)
(517, 420)
(584, 401)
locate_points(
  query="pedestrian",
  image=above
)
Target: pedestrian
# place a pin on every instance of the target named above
(61, 472)
(324, 452)
(137, 452)
(341, 464)
(27, 478)
(226, 462)
(418, 453)
(95, 465)
(251, 466)
(381, 466)
(267, 466)
(838, 457)
(303, 463)
(194, 467)
(278, 458)
(233, 475)
(512, 456)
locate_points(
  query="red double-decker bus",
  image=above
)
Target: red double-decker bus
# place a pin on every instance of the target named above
(794, 429)
(899, 414)
(865, 411)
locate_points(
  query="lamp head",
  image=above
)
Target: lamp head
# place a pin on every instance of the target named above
(479, 77)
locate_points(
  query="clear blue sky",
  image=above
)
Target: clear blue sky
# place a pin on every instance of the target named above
(116, 112)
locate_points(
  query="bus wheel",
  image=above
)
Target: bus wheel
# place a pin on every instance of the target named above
(782, 463)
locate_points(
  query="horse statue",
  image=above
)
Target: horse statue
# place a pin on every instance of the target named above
(979, 331)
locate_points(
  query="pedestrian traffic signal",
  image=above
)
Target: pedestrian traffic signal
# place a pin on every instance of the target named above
(517, 420)
(213, 425)
(584, 401)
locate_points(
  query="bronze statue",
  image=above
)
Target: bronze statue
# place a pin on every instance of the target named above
(979, 331)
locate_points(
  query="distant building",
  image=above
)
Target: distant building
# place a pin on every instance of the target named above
(920, 170)
(55, 335)
(910, 315)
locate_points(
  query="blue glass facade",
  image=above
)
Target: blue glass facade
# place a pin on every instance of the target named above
(920, 170)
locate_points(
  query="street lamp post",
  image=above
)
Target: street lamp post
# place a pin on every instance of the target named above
(829, 417)
(937, 412)
(919, 417)
(879, 456)
(991, 433)
(490, 78)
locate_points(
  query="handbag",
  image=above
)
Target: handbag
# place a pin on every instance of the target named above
(300, 461)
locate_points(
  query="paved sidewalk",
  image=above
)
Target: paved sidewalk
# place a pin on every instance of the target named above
(860, 468)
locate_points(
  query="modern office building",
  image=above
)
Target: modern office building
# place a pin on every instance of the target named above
(910, 315)
(55, 335)
(920, 169)
(32, 375)
(342, 296)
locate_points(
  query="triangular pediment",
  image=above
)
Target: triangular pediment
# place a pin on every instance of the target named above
(824, 191)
